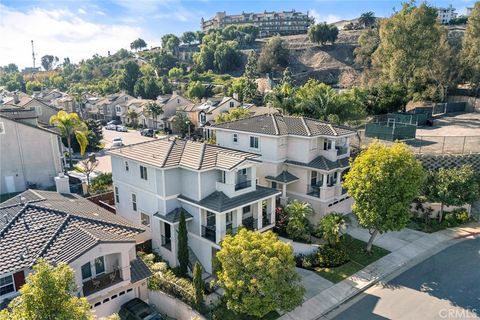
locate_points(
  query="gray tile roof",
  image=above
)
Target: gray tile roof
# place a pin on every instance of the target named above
(322, 163)
(284, 177)
(219, 202)
(139, 270)
(174, 215)
(56, 227)
(279, 125)
(166, 153)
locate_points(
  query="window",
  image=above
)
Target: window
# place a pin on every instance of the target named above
(229, 217)
(6, 285)
(203, 117)
(126, 166)
(145, 218)
(235, 138)
(38, 110)
(86, 271)
(117, 196)
(99, 265)
(231, 104)
(274, 185)
(254, 142)
(2, 128)
(246, 210)
(327, 144)
(143, 172)
(134, 202)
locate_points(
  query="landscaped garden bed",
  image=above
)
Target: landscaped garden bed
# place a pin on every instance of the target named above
(425, 223)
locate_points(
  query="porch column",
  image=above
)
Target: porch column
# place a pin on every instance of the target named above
(220, 226)
(324, 184)
(271, 210)
(283, 198)
(339, 175)
(259, 215)
(333, 144)
(238, 215)
(201, 222)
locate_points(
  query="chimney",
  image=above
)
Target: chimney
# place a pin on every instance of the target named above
(15, 98)
(62, 183)
(235, 95)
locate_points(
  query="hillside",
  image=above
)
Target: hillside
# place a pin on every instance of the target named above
(333, 65)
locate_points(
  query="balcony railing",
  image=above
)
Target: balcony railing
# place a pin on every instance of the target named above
(243, 185)
(266, 219)
(230, 229)
(166, 243)
(341, 150)
(313, 190)
(101, 282)
(209, 232)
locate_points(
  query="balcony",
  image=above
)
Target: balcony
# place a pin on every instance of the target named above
(250, 223)
(166, 243)
(230, 229)
(101, 282)
(313, 190)
(341, 150)
(209, 232)
(243, 184)
(266, 219)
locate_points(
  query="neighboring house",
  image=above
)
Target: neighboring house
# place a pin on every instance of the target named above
(58, 99)
(215, 187)
(111, 107)
(170, 108)
(31, 155)
(97, 244)
(211, 107)
(303, 157)
(444, 15)
(22, 101)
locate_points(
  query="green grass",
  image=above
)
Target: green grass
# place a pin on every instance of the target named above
(359, 259)
(221, 312)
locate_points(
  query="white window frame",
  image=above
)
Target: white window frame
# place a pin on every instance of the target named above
(145, 219)
(93, 268)
(143, 173)
(256, 145)
(8, 284)
(134, 202)
(235, 138)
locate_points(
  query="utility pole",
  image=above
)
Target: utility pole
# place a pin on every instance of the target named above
(33, 54)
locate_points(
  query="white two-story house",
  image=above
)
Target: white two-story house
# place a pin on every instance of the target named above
(214, 187)
(304, 158)
(63, 227)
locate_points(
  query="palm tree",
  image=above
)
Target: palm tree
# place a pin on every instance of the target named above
(367, 19)
(70, 124)
(132, 116)
(154, 109)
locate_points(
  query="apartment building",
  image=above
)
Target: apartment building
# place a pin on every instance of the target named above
(63, 227)
(269, 23)
(214, 187)
(444, 15)
(304, 158)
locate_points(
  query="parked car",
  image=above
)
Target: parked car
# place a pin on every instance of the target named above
(122, 129)
(111, 127)
(147, 132)
(136, 309)
(117, 142)
(115, 122)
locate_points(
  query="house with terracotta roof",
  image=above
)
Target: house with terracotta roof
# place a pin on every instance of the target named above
(31, 154)
(215, 187)
(22, 101)
(304, 158)
(63, 227)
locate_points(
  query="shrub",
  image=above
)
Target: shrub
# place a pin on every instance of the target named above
(298, 226)
(331, 227)
(332, 256)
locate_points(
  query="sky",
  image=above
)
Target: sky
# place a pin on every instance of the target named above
(79, 29)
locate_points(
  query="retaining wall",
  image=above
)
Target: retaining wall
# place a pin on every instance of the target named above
(172, 307)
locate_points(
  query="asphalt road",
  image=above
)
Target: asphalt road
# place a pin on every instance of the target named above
(445, 286)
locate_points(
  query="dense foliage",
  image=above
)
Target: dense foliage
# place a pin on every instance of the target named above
(182, 246)
(323, 33)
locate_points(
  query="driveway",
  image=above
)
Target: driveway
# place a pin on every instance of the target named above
(445, 286)
(130, 137)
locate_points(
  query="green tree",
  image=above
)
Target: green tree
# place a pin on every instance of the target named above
(48, 62)
(383, 181)
(32, 86)
(152, 90)
(49, 293)
(298, 226)
(287, 77)
(196, 89)
(154, 109)
(331, 226)
(95, 134)
(245, 88)
(170, 43)
(251, 66)
(101, 183)
(70, 125)
(367, 19)
(129, 76)
(198, 284)
(165, 85)
(188, 37)
(182, 246)
(323, 33)
(367, 44)
(138, 44)
(132, 117)
(257, 273)
(453, 187)
(175, 73)
(232, 115)
(181, 123)
(470, 54)
(411, 47)
(226, 56)
(274, 55)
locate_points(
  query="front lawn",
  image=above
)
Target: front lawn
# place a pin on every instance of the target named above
(359, 259)
(221, 312)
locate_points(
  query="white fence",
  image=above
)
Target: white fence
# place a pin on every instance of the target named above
(172, 307)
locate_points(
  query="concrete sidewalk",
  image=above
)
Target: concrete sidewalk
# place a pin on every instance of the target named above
(404, 256)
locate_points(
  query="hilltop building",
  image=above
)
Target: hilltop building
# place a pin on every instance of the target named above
(269, 23)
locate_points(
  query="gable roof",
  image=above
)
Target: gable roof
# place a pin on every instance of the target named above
(166, 153)
(322, 163)
(3, 115)
(280, 125)
(57, 227)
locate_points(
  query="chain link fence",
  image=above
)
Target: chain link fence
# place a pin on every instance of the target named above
(430, 144)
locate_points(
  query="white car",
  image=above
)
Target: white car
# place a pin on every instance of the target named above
(122, 129)
(111, 127)
(117, 142)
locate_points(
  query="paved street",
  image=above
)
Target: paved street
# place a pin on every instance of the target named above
(128, 138)
(445, 286)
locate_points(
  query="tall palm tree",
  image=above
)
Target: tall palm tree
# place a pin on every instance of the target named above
(132, 116)
(367, 19)
(70, 124)
(154, 109)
